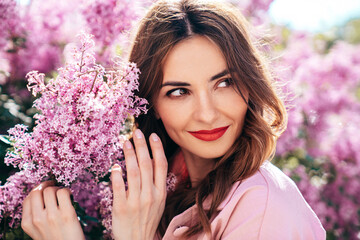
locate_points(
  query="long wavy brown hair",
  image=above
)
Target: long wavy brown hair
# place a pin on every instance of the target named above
(166, 24)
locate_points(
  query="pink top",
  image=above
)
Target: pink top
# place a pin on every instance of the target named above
(267, 206)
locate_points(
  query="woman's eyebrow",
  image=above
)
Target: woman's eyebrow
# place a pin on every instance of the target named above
(175, 84)
(219, 75)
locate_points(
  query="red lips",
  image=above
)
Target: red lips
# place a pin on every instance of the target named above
(209, 135)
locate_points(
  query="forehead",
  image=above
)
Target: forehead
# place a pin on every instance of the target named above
(193, 58)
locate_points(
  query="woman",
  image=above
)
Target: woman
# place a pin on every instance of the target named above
(214, 119)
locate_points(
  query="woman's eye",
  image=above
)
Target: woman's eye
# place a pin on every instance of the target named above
(177, 92)
(225, 83)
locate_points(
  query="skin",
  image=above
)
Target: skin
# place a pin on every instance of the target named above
(137, 212)
(193, 97)
(49, 214)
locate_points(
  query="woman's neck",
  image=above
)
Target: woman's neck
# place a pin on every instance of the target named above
(198, 168)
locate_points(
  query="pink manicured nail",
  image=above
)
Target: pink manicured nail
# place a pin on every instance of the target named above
(155, 137)
(128, 144)
(39, 187)
(116, 167)
(138, 133)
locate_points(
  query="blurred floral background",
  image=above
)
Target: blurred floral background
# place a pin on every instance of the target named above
(318, 69)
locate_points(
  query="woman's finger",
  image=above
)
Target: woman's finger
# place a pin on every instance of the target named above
(26, 220)
(64, 199)
(37, 200)
(118, 187)
(144, 161)
(26, 211)
(51, 205)
(38, 212)
(50, 200)
(132, 171)
(160, 162)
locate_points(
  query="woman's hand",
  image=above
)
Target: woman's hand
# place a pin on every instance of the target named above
(49, 214)
(137, 211)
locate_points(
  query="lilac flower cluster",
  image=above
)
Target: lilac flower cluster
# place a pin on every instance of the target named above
(110, 21)
(106, 200)
(83, 111)
(81, 114)
(11, 194)
(107, 18)
(325, 98)
(45, 29)
(254, 10)
(9, 22)
(34, 35)
(323, 121)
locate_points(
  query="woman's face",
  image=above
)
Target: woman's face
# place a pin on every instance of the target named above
(198, 104)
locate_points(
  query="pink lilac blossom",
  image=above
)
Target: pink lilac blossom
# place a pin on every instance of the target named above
(110, 21)
(319, 85)
(254, 10)
(41, 56)
(106, 207)
(76, 138)
(46, 30)
(82, 112)
(326, 85)
(343, 191)
(335, 202)
(10, 25)
(59, 21)
(298, 50)
(12, 194)
(326, 112)
(85, 191)
(81, 117)
(108, 18)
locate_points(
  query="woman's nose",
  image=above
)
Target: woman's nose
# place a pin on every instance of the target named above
(205, 109)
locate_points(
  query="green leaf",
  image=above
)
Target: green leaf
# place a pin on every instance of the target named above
(5, 139)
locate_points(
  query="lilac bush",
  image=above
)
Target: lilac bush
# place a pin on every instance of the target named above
(11, 194)
(110, 21)
(77, 132)
(10, 25)
(33, 36)
(254, 10)
(324, 116)
(107, 18)
(45, 30)
(82, 112)
(77, 137)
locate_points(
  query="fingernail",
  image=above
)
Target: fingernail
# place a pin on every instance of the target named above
(128, 144)
(39, 187)
(155, 137)
(138, 133)
(116, 167)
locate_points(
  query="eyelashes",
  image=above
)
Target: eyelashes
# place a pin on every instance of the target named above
(179, 92)
(226, 82)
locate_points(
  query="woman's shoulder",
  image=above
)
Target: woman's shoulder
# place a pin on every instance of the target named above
(277, 182)
(270, 182)
(270, 204)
